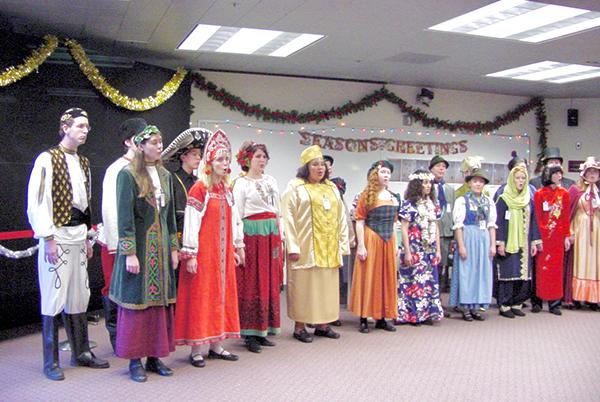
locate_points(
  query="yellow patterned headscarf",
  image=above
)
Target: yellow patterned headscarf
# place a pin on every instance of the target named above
(310, 153)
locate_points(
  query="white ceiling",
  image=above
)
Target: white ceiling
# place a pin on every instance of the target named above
(384, 40)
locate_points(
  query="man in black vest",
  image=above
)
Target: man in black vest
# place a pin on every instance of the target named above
(58, 199)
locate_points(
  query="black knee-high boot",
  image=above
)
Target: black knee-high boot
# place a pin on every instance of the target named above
(77, 332)
(52, 369)
(110, 319)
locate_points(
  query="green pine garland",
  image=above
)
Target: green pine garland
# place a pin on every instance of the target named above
(368, 101)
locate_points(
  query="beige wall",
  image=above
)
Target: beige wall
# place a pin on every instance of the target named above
(305, 95)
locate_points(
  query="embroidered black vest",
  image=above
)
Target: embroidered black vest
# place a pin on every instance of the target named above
(62, 189)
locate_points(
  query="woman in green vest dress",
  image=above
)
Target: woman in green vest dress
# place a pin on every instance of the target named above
(143, 281)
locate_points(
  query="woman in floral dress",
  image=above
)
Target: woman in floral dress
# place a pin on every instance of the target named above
(418, 287)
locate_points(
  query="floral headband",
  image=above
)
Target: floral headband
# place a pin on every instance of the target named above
(245, 155)
(148, 132)
(421, 176)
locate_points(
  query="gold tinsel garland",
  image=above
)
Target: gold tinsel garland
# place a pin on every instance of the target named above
(13, 74)
(113, 94)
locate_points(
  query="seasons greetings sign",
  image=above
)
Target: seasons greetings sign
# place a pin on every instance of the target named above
(384, 144)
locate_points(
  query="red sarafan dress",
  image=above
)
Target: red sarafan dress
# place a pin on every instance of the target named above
(207, 304)
(552, 213)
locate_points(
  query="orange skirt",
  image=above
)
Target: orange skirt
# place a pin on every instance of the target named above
(374, 290)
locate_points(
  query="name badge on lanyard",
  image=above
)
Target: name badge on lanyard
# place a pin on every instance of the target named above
(448, 207)
(482, 225)
(326, 203)
(546, 206)
(507, 215)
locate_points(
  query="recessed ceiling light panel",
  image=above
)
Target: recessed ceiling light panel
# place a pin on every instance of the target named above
(214, 38)
(527, 21)
(550, 71)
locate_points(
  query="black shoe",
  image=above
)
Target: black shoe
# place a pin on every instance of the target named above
(52, 369)
(477, 316)
(386, 326)
(507, 313)
(556, 311)
(303, 336)
(363, 328)
(264, 341)
(518, 312)
(197, 360)
(536, 308)
(594, 307)
(427, 322)
(154, 365)
(467, 316)
(336, 323)
(77, 332)
(137, 371)
(230, 357)
(253, 345)
(446, 313)
(327, 333)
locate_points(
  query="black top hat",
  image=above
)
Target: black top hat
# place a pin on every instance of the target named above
(552, 153)
(131, 127)
(437, 159)
(477, 173)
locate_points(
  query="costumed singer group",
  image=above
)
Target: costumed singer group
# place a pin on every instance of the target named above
(193, 257)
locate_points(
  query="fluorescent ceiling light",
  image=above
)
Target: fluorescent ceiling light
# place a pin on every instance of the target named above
(248, 41)
(550, 71)
(295, 44)
(214, 38)
(199, 35)
(522, 20)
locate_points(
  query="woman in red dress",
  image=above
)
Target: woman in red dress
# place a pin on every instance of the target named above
(213, 244)
(552, 213)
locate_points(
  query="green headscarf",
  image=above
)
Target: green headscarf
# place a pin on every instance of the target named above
(516, 202)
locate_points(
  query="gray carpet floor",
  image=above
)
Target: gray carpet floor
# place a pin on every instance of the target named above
(539, 357)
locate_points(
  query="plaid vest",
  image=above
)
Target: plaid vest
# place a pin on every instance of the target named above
(62, 190)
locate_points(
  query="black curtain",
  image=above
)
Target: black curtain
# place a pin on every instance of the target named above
(29, 119)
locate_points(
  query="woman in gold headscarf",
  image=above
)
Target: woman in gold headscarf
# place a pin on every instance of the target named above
(316, 238)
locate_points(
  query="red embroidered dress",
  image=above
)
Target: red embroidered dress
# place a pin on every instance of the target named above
(207, 304)
(552, 213)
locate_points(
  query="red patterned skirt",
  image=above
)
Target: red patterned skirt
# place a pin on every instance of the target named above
(259, 280)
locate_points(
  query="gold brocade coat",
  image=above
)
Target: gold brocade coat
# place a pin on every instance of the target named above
(303, 236)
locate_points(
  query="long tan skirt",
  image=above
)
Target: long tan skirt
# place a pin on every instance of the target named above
(313, 295)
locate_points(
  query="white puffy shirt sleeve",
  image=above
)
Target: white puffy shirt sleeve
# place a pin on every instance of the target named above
(192, 221)
(491, 222)
(39, 197)
(458, 213)
(109, 205)
(237, 227)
